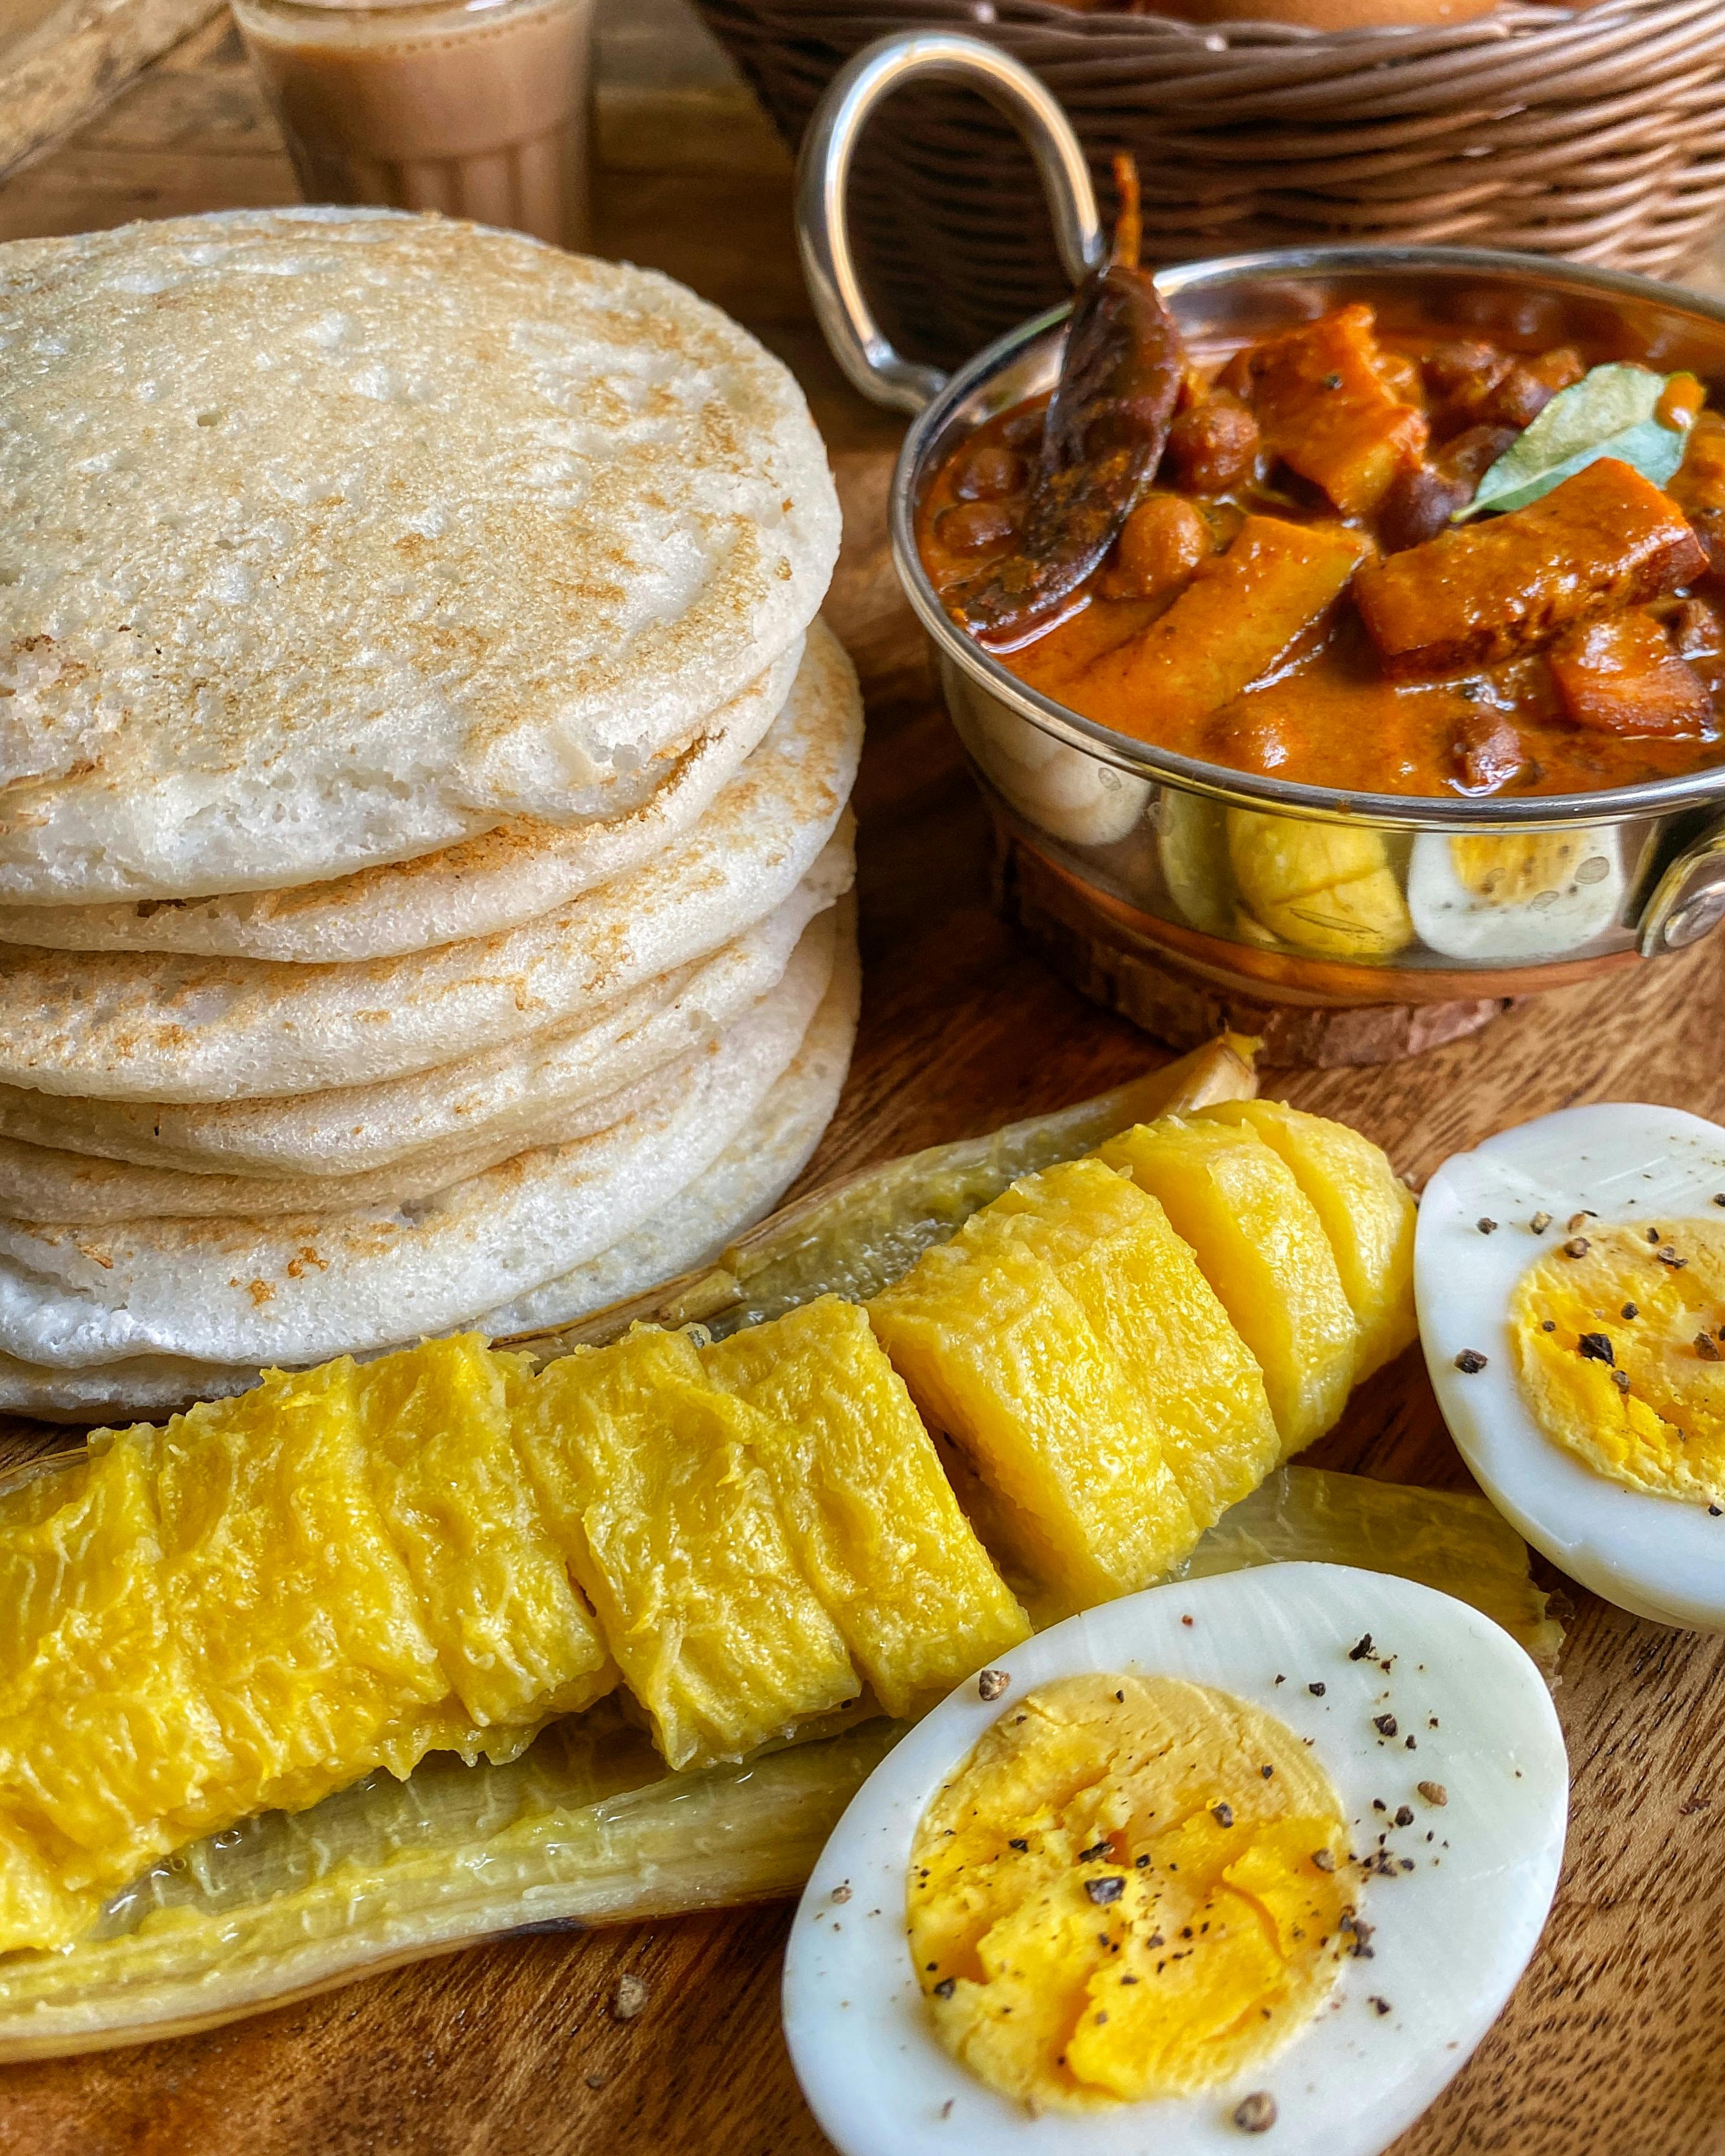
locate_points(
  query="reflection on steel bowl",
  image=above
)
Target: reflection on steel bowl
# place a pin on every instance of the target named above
(1442, 877)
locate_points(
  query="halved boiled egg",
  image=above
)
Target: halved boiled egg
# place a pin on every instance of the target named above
(1514, 894)
(1269, 1849)
(1570, 1279)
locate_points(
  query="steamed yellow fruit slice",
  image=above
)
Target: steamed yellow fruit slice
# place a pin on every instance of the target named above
(1367, 1210)
(1261, 1244)
(102, 1731)
(300, 1621)
(517, 1642)
(648, 1481)
(870, 1514)
(742, 1513)
(999, 1352)
(259, 1603)
(589, 1826)
(1199, 1390)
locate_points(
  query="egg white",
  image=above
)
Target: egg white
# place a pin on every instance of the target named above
(1661, 1558)
(1464, 924)
(1060, 790)
(1452, 1936)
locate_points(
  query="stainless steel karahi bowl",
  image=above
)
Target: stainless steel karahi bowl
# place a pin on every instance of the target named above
(1151, 842)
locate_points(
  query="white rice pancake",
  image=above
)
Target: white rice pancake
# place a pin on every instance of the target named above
(144, 1026)
(336, 536)
(499, 1099)
(521, 870)
(742, 1186)
(299, 1289)
(739, 1188)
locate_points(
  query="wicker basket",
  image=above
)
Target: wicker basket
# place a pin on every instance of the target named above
(1599, 135)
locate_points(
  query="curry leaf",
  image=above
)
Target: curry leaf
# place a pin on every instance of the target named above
(1611, 412)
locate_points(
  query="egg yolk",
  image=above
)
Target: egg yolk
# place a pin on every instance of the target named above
(1619, 1338)
(1516, 868)
(1133, 1887)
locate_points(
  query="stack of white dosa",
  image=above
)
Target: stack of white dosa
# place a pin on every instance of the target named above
(423, 780)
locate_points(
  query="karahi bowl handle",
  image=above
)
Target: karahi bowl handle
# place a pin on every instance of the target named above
(823, 185)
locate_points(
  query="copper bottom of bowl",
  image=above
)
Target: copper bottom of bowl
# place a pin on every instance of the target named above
(1184, 987)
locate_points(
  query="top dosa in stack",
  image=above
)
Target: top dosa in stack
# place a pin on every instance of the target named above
(423, 837)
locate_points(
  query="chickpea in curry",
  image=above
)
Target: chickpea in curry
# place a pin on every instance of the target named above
(1273, 576)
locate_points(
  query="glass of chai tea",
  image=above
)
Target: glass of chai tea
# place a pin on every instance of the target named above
(478, 108)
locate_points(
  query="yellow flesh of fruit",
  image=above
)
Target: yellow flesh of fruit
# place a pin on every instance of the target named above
(1367, 1210)
(1200, 1390)
(872, 1517)
(1665, 1433)
(1224, 1937)
(102, 1734)
(999, 1352)
(298, 1616)
(216, 1618)
(347, 1568)
(517, 1642)
(1262, 1247)
(649, 1479)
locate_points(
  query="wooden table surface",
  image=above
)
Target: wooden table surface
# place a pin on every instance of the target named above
(1611, 2046)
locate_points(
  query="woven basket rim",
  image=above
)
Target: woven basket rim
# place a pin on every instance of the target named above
(1596, 132)
(1047, 33)
(1525, 53)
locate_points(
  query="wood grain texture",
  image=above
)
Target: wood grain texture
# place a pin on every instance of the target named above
(67, 60)
(1610, 2046)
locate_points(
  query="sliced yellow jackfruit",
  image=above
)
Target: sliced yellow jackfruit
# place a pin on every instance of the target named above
(649, 1484)
(871, 1516)
(517, 1642)
(1200, 1391)
(1261, 1244)
(1367, 1210)
(997, 1353)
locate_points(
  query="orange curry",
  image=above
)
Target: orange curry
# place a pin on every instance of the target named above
(1286, 591)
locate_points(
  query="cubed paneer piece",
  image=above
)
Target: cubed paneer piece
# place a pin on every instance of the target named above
(299, 1619)
(516, 1641)
(1621, 675)
(1233, 620)
(1606, 538)
(1000, 1355)
(649, 1483)
(1327, 888)
(1327, 410)
(1199, 1390)
(1367, 1210)
(870, 1514)
(1261, 1244)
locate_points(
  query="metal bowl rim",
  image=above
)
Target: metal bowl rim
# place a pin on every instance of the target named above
(1653, 797)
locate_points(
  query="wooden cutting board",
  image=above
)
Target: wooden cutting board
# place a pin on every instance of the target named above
(1611, 2046)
